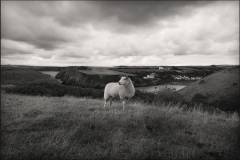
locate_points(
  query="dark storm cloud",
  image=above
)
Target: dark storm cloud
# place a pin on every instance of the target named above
(12, 48)
(144, 12)
(111, 32)
(73, 55)
(122, 16)
(5, 52)
(125, 14)
(40, 37)
(23, 21)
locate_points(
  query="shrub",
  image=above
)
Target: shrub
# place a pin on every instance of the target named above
(198, 98)
(55, 90)
(202, 82)
(158, 98)
(18, 76)
(165, 96)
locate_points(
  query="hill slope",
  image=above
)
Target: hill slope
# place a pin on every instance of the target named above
(76, 78)
(11, 75)
(219, 89)
(78, 128)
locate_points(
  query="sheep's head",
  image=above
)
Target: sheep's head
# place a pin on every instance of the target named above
(125, 80)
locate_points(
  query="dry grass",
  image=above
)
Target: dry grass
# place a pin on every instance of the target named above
(104, 71)
(220, 89)
(78, 128)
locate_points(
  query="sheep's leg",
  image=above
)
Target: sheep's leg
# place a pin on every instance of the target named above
(124, 101)
(123, 104)
(111, 102)
(106, 100)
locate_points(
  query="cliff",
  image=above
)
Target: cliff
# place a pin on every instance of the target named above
(75, 78)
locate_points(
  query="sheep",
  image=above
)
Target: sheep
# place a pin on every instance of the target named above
(124, 89)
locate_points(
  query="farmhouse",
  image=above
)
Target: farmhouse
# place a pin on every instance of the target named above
(151, 76)
(186, 78)
(165, 68)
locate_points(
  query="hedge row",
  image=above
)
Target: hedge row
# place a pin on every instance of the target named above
(165, 96)
(57, 90)
(54, 90)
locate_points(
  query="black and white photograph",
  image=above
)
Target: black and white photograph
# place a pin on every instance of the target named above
(120, 80)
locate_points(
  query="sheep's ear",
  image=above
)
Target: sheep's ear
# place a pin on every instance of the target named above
(126, 76)
(120, 76)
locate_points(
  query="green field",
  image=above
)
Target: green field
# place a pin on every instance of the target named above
(42, 119)
(16, 76)
(35, 127)
(179, 69)
(135, 70)
(218, 89)
(104, 71)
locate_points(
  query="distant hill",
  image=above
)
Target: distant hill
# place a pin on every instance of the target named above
(44, 68)
(220, 89)
(76, 78)
(15, 76)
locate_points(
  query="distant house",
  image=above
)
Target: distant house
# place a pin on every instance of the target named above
(186, 78)
(165, 68)
(161, 68)
(151, 76)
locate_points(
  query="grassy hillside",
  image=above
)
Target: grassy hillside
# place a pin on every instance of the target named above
(87, 80)
(35, 127)
(45, 68)
(11, 75)
(220, 89)
(197, 70)
(104, 71)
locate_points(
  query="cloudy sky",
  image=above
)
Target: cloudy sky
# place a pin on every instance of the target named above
(108, 33)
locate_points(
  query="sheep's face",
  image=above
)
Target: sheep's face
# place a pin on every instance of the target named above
(124, 81)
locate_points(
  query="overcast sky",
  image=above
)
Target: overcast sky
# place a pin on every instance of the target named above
(108, 33)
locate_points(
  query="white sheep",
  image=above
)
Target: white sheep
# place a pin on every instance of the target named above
(124, 89)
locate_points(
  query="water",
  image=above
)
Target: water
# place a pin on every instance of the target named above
(159, 88)
(52, 74)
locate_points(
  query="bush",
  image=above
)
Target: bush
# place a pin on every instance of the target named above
(198, 98)
(165, 96)
(18, 76)
(55, 90)
(202, 82)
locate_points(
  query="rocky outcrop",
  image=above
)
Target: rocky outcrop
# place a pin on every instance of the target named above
(76, 78)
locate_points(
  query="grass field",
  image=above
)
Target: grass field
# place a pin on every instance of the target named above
(16, 76)
(135, 70)
(35, 127)
(220, 88)
(104, 71)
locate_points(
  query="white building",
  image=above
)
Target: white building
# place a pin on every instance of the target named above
(165, 68)
(161, 68)
(151, 76)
